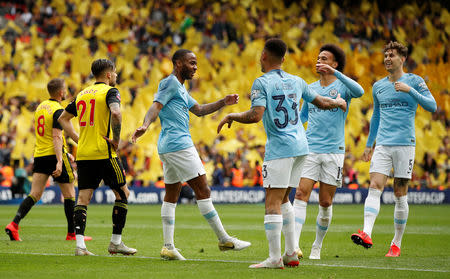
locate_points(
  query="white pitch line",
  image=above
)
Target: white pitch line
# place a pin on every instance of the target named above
(382, 229)
(246, 262)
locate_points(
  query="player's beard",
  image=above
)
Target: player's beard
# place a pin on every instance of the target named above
(186, 73)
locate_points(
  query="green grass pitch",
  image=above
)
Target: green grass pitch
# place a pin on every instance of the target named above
(44, 253)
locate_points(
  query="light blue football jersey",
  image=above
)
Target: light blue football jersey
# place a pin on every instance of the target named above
(325, 132)
(174, 115)
(280, 93)
(394, 111)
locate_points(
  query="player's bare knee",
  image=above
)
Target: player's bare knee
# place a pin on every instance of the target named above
(203, 193)
(67, 191)
(83, 201)
(302, 195)
(400, 186)
(325, 203)
(401, 182)
(84, 197)
(376, 185)
(171, 198)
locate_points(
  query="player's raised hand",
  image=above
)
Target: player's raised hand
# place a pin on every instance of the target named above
(367, 155)
(138, 133)
(342, 104)
(400, 86)
(231, 99)
(324, 69)
(224, 121)
(57, 172)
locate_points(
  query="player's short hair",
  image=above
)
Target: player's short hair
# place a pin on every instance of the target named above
(180, 54)
(276, 47)
(338, 53)
(99, 66)
(401, 49)
(54, 85)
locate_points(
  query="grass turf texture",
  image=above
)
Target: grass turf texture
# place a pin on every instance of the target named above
(44, 253)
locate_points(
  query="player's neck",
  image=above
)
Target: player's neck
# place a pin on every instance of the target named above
(56, 98)
(178, 75)
(104, 80)
(273, 67)
(396, 75)
(326, 79)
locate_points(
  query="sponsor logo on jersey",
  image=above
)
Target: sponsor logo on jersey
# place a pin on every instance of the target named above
(394, 103)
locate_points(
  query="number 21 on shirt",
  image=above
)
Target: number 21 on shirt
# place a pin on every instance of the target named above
(81, 105)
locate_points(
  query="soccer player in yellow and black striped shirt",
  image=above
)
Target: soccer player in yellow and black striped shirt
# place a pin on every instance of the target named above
(98, 110)
(50, 158)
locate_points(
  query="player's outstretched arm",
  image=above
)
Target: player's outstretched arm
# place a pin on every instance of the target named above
(354, 88)
(150, 117)
(57, 147)
(64, 121)
(201, 110)
(253, 115)
(328, 103)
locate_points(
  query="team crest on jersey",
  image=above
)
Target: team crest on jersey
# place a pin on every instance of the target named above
(333, 93)
(254, 94)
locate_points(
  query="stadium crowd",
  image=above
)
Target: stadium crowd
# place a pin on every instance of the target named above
(44, 39)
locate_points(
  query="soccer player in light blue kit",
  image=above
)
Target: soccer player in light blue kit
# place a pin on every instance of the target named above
(326, 141)
(395, 100)
(275, 98)
(181, 161)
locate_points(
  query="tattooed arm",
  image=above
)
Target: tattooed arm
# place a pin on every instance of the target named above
(201, 110)
(253, 115)
(116, 125)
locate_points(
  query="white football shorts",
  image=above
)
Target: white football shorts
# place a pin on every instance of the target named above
(182, 165)
(324, 167)
(282, 173)
(400, 158)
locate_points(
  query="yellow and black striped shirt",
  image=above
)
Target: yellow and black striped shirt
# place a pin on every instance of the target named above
(94, 117)
(45, 119)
